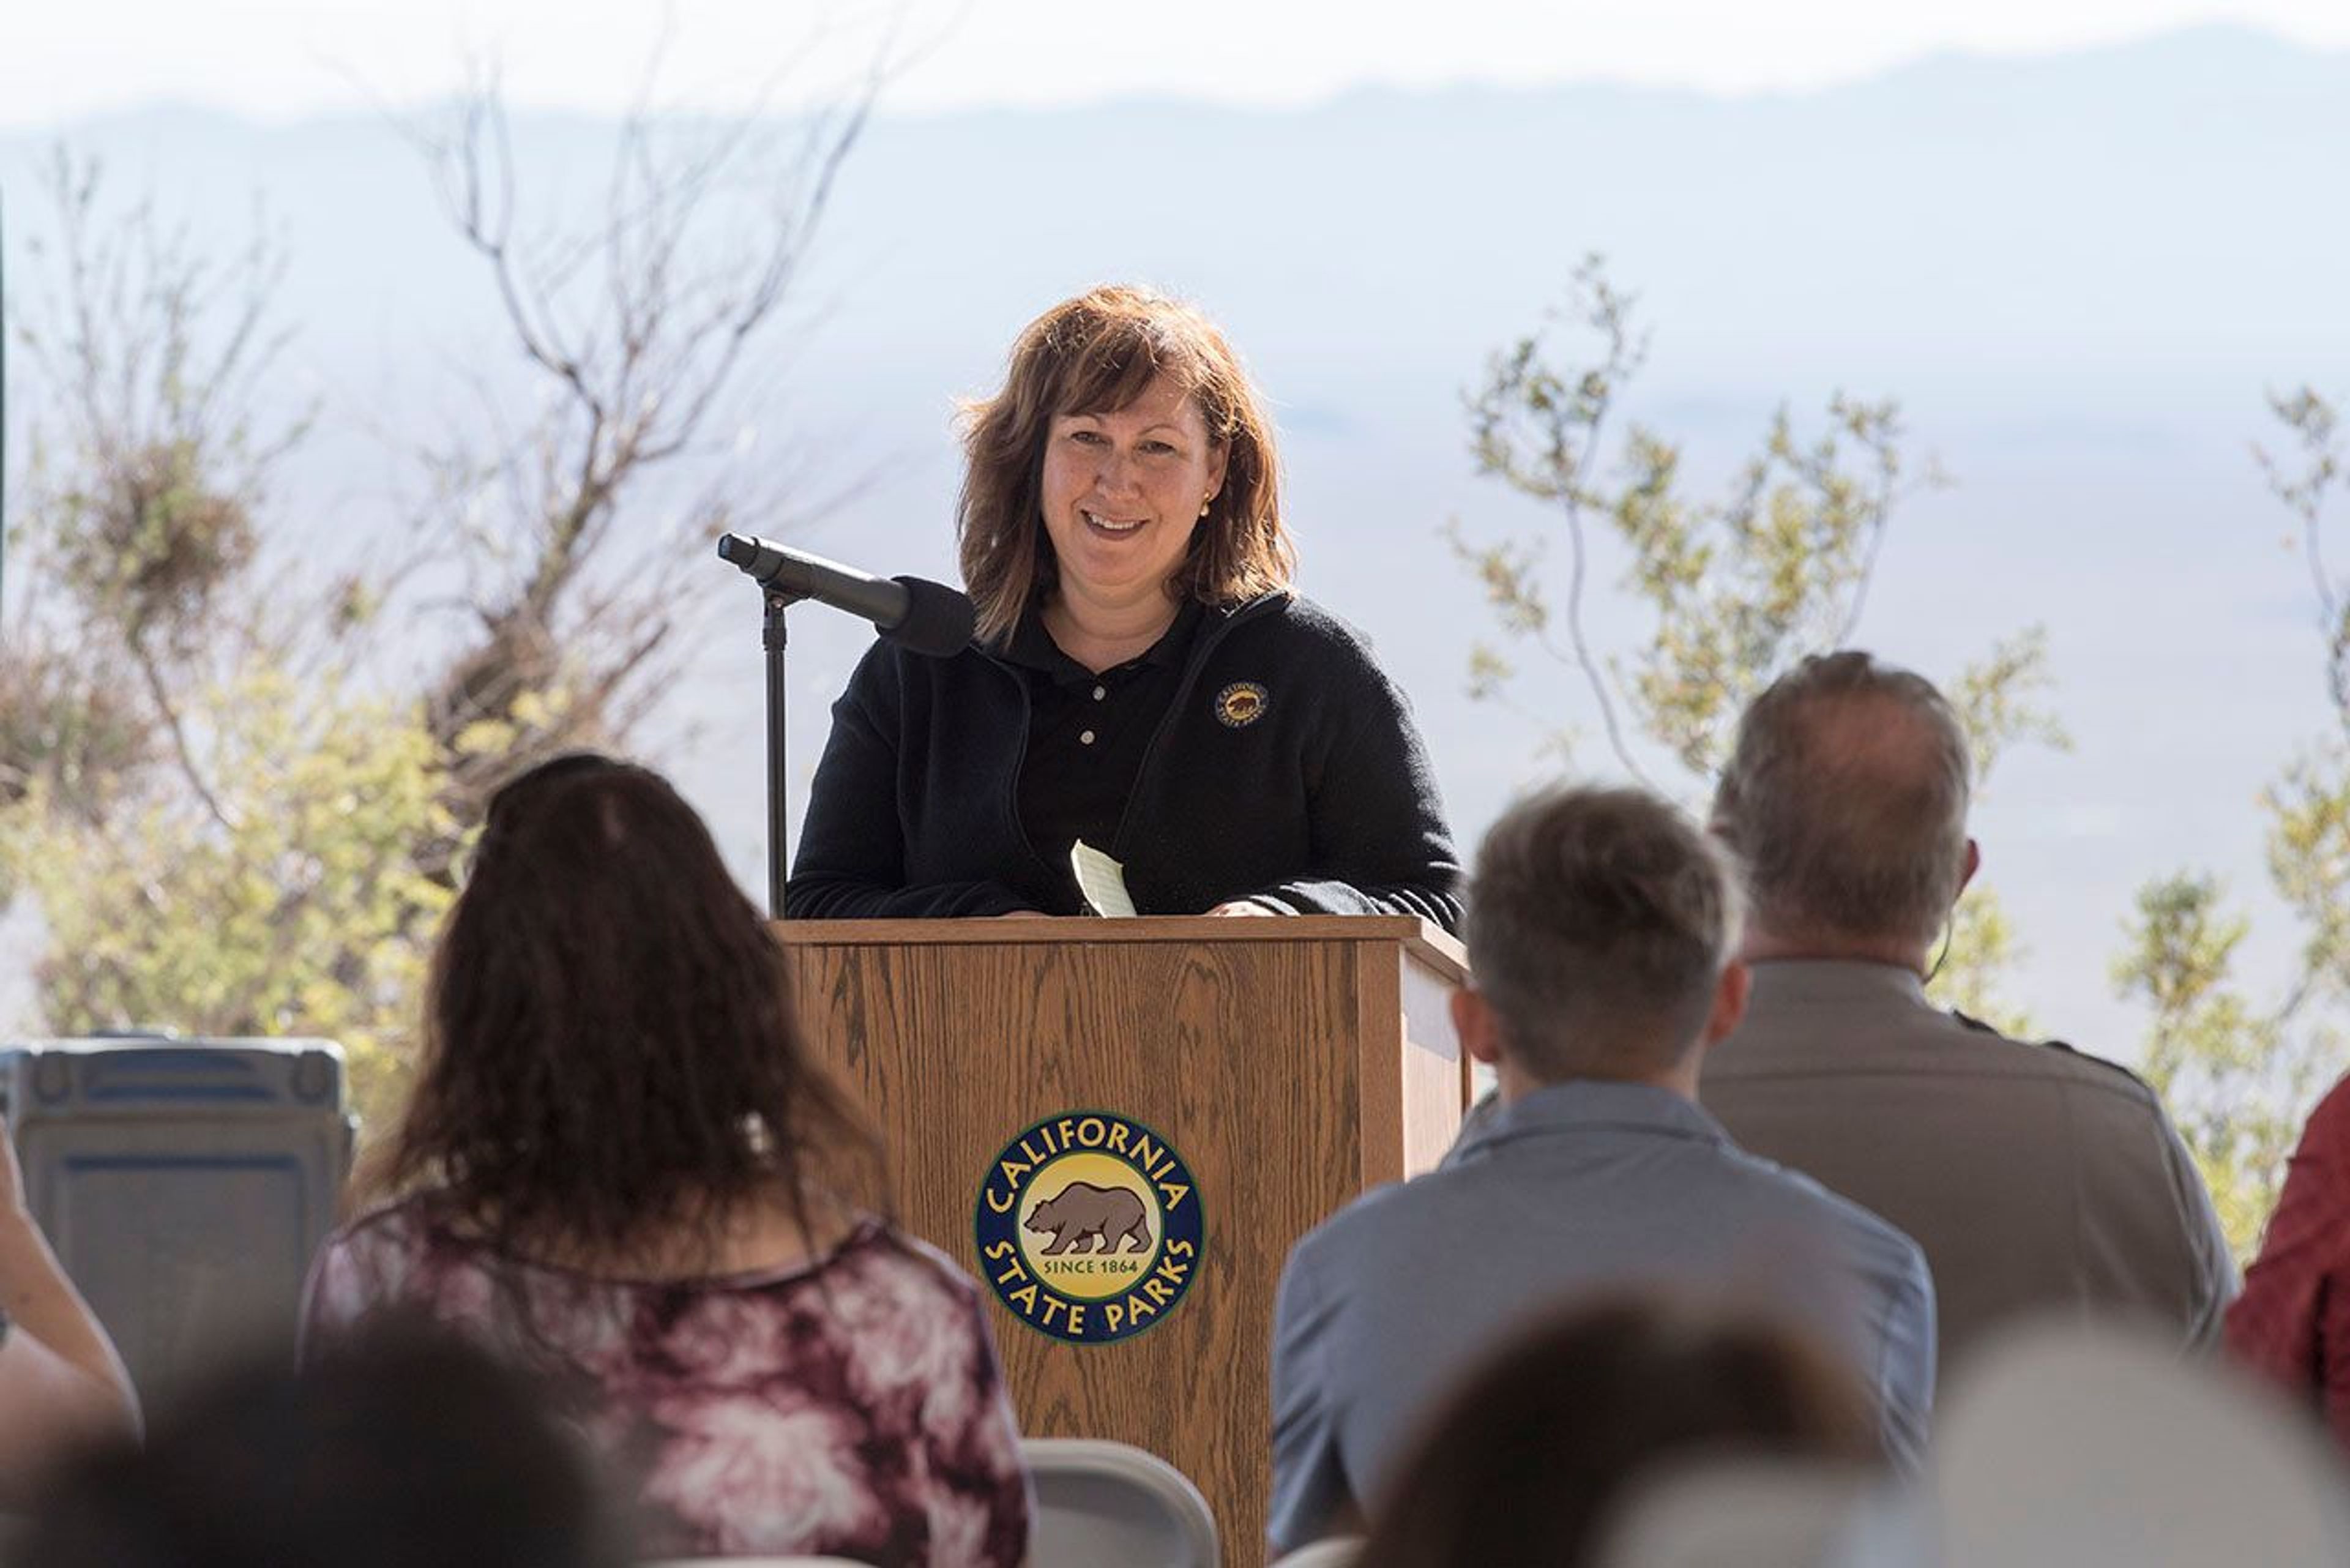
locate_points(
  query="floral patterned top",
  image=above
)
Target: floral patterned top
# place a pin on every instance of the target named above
(849, 1406)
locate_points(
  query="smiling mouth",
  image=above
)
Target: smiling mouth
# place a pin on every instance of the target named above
(1115, 529)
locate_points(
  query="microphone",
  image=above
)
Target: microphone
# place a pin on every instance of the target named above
(928, 617)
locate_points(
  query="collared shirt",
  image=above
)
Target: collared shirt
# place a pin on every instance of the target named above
(2037, 1178)
(1288, 771)
(1575, 1188)
(2293, 1322)
(1088, 733)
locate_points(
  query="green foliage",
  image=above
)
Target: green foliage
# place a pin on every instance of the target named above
(1743, 587)
(61, 728)
(1981, 949)
(153, 351)
(1998, 699)
(2309, 862)
(297, 911)
(1738, 587)
(2234, 1082)
(148, 539)
(224, 826)
(217, 822)
(2241, 1075)
(2314, 427)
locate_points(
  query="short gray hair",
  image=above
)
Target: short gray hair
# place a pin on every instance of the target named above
(1847, 796)
(1599, 923)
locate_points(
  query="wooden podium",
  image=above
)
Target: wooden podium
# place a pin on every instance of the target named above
(1291, 1062)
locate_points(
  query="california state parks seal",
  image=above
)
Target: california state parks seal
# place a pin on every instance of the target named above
(1089, 1227)
(1241, 704)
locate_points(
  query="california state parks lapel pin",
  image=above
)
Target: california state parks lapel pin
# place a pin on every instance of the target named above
(1241, 704)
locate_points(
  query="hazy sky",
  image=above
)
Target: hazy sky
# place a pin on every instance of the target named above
(2142, 280)
(282, 58)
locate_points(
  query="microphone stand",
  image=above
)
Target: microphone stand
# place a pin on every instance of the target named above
(918, 614)
(772, 639)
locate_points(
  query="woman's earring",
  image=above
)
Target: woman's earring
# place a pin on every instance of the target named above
(1206, 501)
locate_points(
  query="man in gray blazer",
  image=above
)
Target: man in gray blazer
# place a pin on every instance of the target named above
(1600, 928)
(2036, 1178)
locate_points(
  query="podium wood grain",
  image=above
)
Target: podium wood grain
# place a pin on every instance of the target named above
(1291, 1062)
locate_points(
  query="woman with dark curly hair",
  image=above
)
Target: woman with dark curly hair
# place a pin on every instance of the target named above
(1144, 679)
(620, 1165)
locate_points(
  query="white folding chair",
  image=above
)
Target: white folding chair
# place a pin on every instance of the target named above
(1761, 1513)
(1337, 1552)
(2069, 1447)
(1100, 1502)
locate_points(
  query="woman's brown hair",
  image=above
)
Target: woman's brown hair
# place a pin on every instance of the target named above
(1527, 1459)
(612, 1061)
(1096, 354)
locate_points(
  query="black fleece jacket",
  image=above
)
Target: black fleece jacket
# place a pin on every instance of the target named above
(1322, 803)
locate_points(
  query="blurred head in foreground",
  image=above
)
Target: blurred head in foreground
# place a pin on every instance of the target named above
(396, 1448)
(1525, 1460)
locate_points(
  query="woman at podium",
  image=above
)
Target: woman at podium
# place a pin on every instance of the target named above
(1144, 681)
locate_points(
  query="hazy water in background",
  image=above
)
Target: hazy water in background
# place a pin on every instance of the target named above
(2079, 278)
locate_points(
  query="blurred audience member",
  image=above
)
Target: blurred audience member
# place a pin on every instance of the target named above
(2293, 1322)
(2035, 1177)
(396, 1449)
(1531, 1455)
(620, 1163)
(2093, 1444)
(60, 1379)
(1599, 930)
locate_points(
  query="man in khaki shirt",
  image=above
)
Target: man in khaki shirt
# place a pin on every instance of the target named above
(2036, 1179)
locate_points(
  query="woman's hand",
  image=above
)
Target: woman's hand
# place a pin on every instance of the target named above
(12, 1175)
(1242, 907)
(61, 1383)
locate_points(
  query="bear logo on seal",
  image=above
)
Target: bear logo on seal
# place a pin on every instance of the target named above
(1242, 704)
(1093, 1219)
(1089, 1227)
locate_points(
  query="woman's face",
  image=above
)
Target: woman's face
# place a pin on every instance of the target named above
(1122, 493)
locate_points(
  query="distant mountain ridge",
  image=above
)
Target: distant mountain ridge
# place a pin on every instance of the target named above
(1990, 172)
(2081, 274)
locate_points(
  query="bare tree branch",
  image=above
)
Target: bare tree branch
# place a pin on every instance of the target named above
(1557, 464)
(168, 711)
(2315, 425)
(638, 320)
